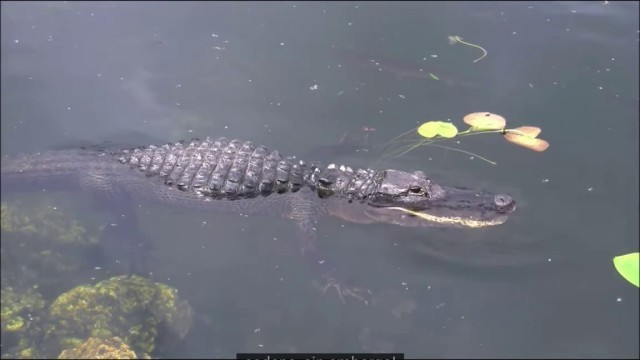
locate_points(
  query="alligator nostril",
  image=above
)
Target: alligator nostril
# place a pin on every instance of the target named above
(502, 200)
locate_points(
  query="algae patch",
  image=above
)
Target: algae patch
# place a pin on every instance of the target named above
(134, 309)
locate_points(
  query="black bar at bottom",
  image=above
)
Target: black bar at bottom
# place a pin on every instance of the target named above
(320, 356)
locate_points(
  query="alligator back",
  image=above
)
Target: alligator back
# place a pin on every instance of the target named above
(235, 169)
(197, 174)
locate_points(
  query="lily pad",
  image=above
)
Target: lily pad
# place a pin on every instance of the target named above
(529, 131)
(485, 121)
(627, 265)
(432, 129)
(527, 142)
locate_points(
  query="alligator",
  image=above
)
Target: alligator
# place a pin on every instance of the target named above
(237, 176)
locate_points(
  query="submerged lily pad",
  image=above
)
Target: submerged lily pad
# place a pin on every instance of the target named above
(432, 129)
(627, 265)
(485, 121)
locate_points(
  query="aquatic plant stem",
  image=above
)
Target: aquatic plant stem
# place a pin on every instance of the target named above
(459, 39)
(465, 152)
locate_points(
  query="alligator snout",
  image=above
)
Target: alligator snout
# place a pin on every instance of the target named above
(504, 203)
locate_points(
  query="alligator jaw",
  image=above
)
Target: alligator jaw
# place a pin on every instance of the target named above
(405, 217)
(453, 207)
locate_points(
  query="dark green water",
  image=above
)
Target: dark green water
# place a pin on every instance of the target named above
(294, 76)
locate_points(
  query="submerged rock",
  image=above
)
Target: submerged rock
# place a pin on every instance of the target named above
(144, 314)
(96, 348)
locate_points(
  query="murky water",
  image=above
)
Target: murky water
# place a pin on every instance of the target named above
(296, 76)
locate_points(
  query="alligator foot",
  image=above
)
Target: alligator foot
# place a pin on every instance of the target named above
(343, 290)
(307, 237)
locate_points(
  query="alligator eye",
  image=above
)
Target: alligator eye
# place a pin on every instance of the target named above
(415, 189)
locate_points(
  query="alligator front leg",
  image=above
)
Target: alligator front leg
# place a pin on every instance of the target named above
(329, 273)
(361, 294)
(304, 214)
(121, 239)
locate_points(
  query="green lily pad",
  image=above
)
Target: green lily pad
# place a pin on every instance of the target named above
(432, 129)
(627, 266)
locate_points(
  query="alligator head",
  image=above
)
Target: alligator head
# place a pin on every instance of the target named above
(412, 199)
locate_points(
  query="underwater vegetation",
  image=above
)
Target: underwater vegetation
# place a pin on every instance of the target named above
(118, 317)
